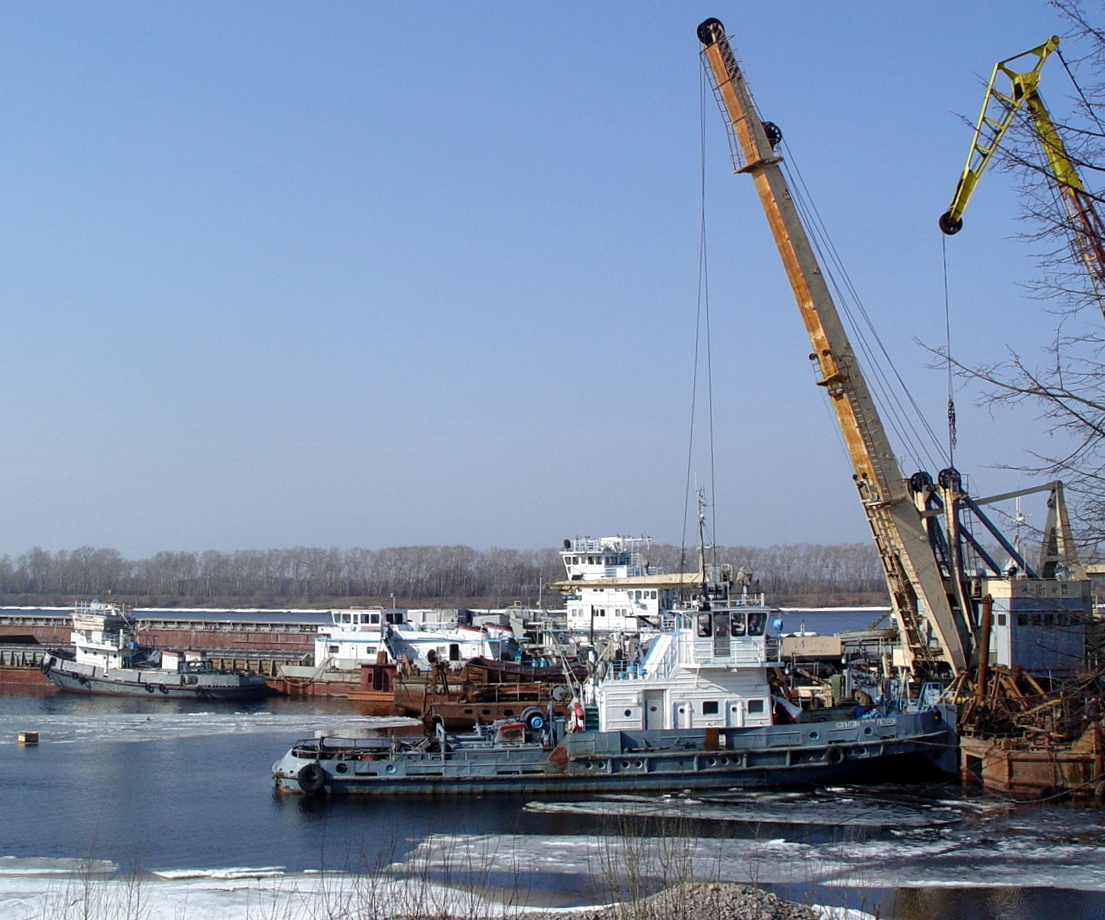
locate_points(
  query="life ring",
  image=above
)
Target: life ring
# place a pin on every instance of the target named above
(835, 755)
(311, 778)
(576, 717)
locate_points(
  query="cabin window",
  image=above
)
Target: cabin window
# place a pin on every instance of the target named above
(709, 707)
(333, 649)
(374, 618)
(1022, 619)
(756, 623)
(454, 652)
(653, 595)
(1049, 619)
(1001, 619)
(755, 707)
(738, 624)
(704, 628)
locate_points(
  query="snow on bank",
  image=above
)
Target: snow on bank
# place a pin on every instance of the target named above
(242, 893)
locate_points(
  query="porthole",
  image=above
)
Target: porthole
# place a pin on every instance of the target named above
(628, 713)
(341, 768)
(815, 735)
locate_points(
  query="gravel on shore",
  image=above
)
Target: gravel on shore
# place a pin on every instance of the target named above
(699, 901)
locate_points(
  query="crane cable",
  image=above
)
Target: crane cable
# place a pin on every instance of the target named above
(702, 332)
(909, 423)
(948, 355)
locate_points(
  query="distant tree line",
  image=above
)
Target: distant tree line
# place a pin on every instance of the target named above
(412, 575)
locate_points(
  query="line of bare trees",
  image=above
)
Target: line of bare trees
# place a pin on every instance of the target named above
(413, 575)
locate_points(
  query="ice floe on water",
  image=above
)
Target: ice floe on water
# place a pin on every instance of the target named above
(70, 727)
(826, 807)
(872, 864)
(27, 868)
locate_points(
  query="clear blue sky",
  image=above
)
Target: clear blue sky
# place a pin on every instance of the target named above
(377, 274)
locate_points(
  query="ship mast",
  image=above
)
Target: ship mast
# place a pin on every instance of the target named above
(927, 603)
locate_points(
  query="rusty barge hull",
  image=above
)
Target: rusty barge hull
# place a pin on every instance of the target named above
(1035, 768)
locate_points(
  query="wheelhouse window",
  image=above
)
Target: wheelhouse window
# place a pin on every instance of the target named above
(704, 625)
(721, 625)
(738, 624)
(757, 622)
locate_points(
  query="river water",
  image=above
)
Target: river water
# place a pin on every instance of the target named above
(179, 793)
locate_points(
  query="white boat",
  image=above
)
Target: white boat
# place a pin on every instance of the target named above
(108, 660)
(693, 707)
(613, 590)
(358, 636)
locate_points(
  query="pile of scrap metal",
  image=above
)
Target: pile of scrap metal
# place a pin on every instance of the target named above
(1014, 703)
(1027, 737)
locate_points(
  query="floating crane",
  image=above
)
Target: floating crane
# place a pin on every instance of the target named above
(937, 570)
(999, 107)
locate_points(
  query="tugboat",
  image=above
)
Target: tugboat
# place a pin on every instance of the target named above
(108, 660)
(692, 707)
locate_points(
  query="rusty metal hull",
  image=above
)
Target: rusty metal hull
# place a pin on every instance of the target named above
(1034, 768)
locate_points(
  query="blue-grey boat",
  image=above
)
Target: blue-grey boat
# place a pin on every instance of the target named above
(108, 660)
(692, 708)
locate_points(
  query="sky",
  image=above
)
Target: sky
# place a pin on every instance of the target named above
(281, 274)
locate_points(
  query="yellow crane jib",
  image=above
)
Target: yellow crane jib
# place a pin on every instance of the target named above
(998, 110)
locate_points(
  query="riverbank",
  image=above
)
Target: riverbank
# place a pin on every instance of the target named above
(66, 890)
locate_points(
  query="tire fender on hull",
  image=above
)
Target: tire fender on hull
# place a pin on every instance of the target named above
(311, 778)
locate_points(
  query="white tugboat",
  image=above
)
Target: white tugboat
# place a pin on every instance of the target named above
(108, 660)
(690, 708)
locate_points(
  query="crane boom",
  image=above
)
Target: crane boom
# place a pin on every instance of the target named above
(998, 111)
(925, 600)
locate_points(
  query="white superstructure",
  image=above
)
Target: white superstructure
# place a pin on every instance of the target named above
(600, 602)
(357, 635)
(707, 669)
